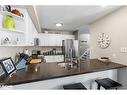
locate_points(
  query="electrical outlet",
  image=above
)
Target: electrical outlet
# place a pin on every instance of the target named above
(123, 49)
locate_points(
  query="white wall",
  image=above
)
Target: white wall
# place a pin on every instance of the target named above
(84, 37)
(83, 46)
(114, 25)
(31, 31)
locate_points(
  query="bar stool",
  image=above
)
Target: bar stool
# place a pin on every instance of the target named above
(107, 83)
(78, 86)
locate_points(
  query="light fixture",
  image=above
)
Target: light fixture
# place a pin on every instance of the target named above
(59, 24)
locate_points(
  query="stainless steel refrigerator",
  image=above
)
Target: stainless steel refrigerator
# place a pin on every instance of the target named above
(70, 49)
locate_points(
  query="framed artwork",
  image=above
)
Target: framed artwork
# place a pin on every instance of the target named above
(8, 65)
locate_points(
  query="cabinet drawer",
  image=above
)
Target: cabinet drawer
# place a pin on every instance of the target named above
(54, 58)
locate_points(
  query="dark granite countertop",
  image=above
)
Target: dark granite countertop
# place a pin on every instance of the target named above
(46, 71)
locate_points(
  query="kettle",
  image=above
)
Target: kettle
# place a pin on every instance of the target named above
(5, 8)
(8, 8)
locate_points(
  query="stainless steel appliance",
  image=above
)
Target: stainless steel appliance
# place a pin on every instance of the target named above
(70, 49)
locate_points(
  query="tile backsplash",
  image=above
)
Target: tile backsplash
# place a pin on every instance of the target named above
(6, 51)
(10, 38)
(10, 51)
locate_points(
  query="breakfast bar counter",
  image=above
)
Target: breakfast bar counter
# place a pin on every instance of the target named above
(46, 71)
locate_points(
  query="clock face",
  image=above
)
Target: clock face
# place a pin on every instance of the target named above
(103, 41)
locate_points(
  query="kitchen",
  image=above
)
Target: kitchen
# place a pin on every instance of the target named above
(52, 62)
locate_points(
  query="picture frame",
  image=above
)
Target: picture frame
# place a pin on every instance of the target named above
(8, 65)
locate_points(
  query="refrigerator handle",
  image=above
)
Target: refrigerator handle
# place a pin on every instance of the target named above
(70, 53)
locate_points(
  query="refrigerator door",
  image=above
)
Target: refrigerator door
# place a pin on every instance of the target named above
(70, 48)
(68, 44)
(75, 48)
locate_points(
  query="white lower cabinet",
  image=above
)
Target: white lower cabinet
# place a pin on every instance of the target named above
(54, 58)
(6, 88)
(88, 80)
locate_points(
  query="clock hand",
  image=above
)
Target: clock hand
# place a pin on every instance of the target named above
(102, 36)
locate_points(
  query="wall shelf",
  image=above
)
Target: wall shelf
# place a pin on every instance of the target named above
(12, 31)
(11, 45)
(5, 13)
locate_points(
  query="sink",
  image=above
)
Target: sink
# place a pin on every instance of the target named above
(67, 65)
(63, 64)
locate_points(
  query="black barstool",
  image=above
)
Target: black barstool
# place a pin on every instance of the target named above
(107, 83)
(78, 86)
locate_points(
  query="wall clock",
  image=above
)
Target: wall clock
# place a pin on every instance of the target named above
(103, 41)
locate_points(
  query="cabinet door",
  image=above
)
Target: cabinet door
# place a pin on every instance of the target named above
(60, 58)
(49, 40)
(43, 39)
(6, 88)
(54, 58)
(57, 40)
(53, 39)
(69, 37)
(64, 37)
(49, 59)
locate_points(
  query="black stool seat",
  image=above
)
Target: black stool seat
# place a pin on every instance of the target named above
(74, 86)
(108, 83)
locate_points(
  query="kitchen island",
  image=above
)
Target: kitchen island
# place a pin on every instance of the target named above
(51, 75)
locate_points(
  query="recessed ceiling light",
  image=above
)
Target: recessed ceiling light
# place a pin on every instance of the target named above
(59, 24)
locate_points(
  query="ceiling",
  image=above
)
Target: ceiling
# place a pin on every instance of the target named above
(72, 17)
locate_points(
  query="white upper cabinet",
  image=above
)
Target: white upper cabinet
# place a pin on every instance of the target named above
(53, 39)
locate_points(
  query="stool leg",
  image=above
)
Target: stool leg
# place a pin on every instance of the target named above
(98, 86)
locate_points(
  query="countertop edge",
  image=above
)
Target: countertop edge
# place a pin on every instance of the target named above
(37, 80)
